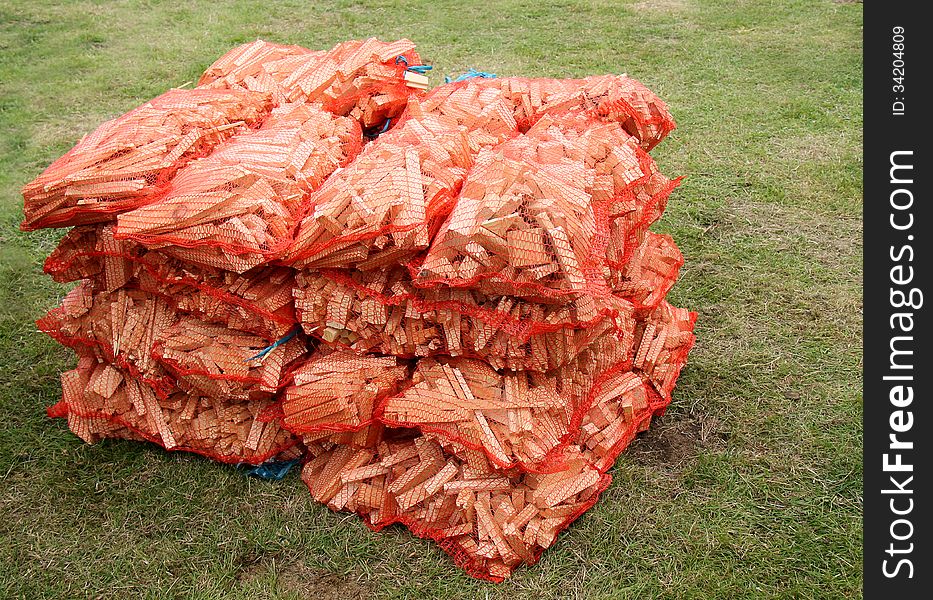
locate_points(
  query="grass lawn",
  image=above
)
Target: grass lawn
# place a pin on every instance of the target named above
(750, 486)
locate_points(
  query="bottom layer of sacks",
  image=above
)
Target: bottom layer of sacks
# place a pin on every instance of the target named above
(489, 519)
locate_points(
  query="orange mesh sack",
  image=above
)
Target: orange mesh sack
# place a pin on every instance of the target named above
(649, 274)
(363, 79)
(534, 216)
(258, 301)
(621, 407)
(236, 208)
(340, 391)
(488, 521)
(616, 98)
(382, 312)
(663, 346)
(380, 209)
(91, 252)
(126, 163)
(366, 436)
(517, 418)
(102, 401)
(119, 327)
(484, 111)
(225, 363)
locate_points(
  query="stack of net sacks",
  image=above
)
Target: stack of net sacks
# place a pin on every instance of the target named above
(490, 308)
(450, 303)
(183, 327)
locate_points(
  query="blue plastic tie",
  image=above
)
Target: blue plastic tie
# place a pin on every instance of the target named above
(274, 470)
(470, 75)
(274, 345)
(374, 134)
(414, 68)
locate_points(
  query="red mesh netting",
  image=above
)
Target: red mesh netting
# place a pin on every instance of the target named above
(258, 301)
(382, 208)
(521, 418)
(488, 521)
(223, 362)
(340, 391)
(610, 97)
(381, 311)
(101, 400)
(365, 80)
(236, 208)
(486, 301)
(119, 327)
(537, 213)
(125, 163)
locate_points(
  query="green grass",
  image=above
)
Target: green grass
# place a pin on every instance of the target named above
(750, 486)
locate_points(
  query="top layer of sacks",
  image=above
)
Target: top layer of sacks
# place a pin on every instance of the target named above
(448, 301)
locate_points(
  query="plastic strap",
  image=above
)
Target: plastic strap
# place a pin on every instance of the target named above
(274, 470)
(374, 134)
(470, 75)
(262, 353)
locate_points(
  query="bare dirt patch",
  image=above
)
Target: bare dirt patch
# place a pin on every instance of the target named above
(309, 584)
(676, 441)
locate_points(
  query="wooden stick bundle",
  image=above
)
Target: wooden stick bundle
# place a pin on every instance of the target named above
(225, 363)
(125, 163)
(258, 301)
(119, 327)
(363, 79)
(340, 391)
(534, 213)
(382, 312)
(489, 521)
(649, 274)
(662, 346)
(484, 111)
(91, 252)
(102, 400)
(379, 210)
(236, 208)
(520, 418)
(609, 97)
